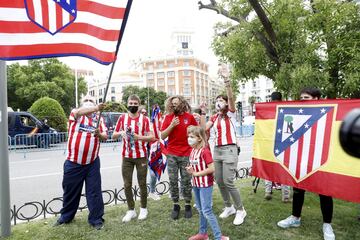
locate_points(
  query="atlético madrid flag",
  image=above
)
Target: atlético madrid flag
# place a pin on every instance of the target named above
(54, 28)
(297, 143)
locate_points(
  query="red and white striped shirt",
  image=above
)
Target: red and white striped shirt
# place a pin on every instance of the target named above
(139, 125)
(83, 147)
(224, 128)
(199, 160)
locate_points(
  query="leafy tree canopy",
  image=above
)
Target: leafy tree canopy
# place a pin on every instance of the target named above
(42, 78)
(156, 97)
(51, 110)
(295, 43)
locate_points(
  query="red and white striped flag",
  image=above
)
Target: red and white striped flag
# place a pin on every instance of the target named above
(55, 28)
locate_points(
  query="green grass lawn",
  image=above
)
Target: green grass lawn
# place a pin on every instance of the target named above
(260, 222)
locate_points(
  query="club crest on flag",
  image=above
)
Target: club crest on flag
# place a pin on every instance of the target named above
(51, 15)
(302, 138)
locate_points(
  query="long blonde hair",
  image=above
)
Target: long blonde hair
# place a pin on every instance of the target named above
(198, 132)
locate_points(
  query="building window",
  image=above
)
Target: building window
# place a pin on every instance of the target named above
(186, 73)
(243, 86)
(112, 89)
(100, 100)
(187, 81)
(171, 91)
(100, 92)
(113, 98)
(160, 75)
(171, 82)
(186, 63)
(161, 83)
(254, 84)
(187, 90)
(171, 65)
(150, 76)
(171, 74)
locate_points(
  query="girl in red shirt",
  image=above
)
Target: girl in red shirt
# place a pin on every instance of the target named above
(201, 168)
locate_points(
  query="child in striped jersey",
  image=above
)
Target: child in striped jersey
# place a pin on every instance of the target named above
(201, 168)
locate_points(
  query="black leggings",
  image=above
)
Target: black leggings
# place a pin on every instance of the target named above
(326, 204)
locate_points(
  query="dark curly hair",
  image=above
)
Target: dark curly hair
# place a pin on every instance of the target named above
(183, 106)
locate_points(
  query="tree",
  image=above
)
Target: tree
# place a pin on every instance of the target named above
(155, 97)
(51, 110)
(42, 78)
(115, 107)
(295, 43)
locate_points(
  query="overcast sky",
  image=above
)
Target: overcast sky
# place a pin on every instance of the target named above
(149, 29)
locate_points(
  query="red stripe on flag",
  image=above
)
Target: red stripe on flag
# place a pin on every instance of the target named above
(71, 134)
(299, 156)
(30, 27)
(13, 4)
(57, 49)
(326, 183)
(312, 148)
(101, 9)
(287, 157)
(86, 148)
(95, 149)
(327, 136)
(45, 14)
(30, 9)
(59, 19)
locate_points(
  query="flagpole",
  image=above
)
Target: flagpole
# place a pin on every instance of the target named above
(121, 33)
(4, 156)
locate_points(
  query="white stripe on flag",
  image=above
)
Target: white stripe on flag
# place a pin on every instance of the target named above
(13, 14)
(293, 157)
(320, 131)
(65, 17)
(38, 11)
(98, 20)
(74, 38)
(52, 16)
(223, 132)
(280, 157)
(305, 153)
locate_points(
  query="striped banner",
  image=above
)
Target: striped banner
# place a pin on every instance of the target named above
(297, 143)
(55, 28)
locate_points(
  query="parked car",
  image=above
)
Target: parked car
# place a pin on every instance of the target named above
(31, 130)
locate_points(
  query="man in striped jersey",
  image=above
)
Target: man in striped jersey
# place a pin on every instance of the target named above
(83, 164)
(134, 128)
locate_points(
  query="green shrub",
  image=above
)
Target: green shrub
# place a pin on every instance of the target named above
(50, 109)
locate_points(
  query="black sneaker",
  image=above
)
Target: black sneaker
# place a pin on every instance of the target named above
(175, 212)
(188, 211)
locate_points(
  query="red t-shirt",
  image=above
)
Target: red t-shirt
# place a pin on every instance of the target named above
(177, 143)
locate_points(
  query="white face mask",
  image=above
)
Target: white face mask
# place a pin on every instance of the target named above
(88, 104)
(219, 105)
(191, 141)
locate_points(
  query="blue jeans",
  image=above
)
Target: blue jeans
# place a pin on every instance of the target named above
(73, 180)
(152, 181)
(203, 200)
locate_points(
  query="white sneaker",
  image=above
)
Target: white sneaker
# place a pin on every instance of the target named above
(143, 213)
(290, 221)
(228, 211)
(328, 232)
(239, 217)
(154, 196)
(130, 214)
